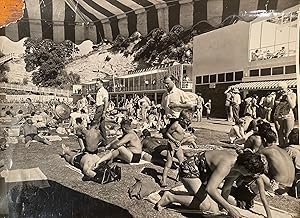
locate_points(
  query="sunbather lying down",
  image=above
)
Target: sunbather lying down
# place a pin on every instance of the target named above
(84, 161)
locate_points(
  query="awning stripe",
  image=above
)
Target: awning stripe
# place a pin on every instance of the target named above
(214, 11)
(264, 85)
(269, 4)
(152, 17)
(23, 26)
(2, 31)
(113, 20)
(12, 31)
(34, 13)
(131, 16)
(69, 22)
(174, 12)
(186, 17)
(200, 11)
(47, 20)
(230, 7)
(98, 24)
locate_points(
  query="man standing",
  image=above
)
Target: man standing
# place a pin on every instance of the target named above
(200, 102)
(228, 105)
(174, 100)
(236, 101)
(101, 107)
(144, 104)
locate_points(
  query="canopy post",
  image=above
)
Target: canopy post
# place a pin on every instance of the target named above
(297, 67)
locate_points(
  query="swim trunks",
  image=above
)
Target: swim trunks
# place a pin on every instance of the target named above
(136, 158)
(195, 167)
(77, 158)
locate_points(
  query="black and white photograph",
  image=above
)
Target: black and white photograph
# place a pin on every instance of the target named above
(149, 108)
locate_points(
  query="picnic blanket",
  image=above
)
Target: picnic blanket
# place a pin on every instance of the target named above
(257, 211)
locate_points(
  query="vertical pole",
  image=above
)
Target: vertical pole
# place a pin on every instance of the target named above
(297, 65)
(114, 84)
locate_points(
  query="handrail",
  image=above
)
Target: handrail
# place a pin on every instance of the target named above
(55, 91)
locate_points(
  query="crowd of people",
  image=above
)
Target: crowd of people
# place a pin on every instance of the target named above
(267, 54)
(137, 129)
(275, 107)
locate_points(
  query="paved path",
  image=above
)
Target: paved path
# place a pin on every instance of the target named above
(215, 124)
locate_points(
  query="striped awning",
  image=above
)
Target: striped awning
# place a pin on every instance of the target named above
(78, 20)
(264, 85)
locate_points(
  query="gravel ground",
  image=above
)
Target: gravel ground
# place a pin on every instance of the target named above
(69, 196)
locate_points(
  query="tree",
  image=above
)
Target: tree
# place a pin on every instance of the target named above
(3, 69)
(48, 59)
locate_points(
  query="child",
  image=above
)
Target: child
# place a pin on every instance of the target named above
(175, 133)
(208, 109)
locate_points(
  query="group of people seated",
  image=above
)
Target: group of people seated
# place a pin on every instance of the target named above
(259, 166)
(213, 179)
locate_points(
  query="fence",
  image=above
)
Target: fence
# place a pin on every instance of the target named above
(35, 98)
(44, 90)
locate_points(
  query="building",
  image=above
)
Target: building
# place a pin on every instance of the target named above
(252, 57)
(147, 81)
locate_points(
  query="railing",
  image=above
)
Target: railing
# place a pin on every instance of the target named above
(6, 58)
(54, 91)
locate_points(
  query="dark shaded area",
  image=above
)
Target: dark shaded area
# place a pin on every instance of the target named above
(28, 200)
(151, 172)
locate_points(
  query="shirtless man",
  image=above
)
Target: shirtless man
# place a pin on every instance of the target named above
(127, 148)
(175, 134)
(84, 161)
(89, 139)
(204, 172)
(281, 170)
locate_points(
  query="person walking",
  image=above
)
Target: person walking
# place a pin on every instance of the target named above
(174, 100)
(283, 115)
(228, 105)
(236, 101)
(101, 107)
(208, 109)
(199, 107)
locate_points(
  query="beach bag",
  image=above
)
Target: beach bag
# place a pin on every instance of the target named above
(142, 188)
(106, 174)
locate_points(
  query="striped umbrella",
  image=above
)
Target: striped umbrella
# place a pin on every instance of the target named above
(78, 20)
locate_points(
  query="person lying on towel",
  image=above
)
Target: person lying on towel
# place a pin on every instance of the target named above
(87, 163)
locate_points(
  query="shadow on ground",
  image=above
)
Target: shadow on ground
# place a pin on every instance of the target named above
(56, 200)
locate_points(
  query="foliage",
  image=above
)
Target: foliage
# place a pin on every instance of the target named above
(47, 59)
(3, 69)
(25, 81)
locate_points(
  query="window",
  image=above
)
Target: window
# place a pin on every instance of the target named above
(254, 72)
(205, 79)
(229, 76)
(198, 79)
(277, 70)
(212, 78)
(290, 69)
(238, 75)
(221, 77)
(265, 72)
